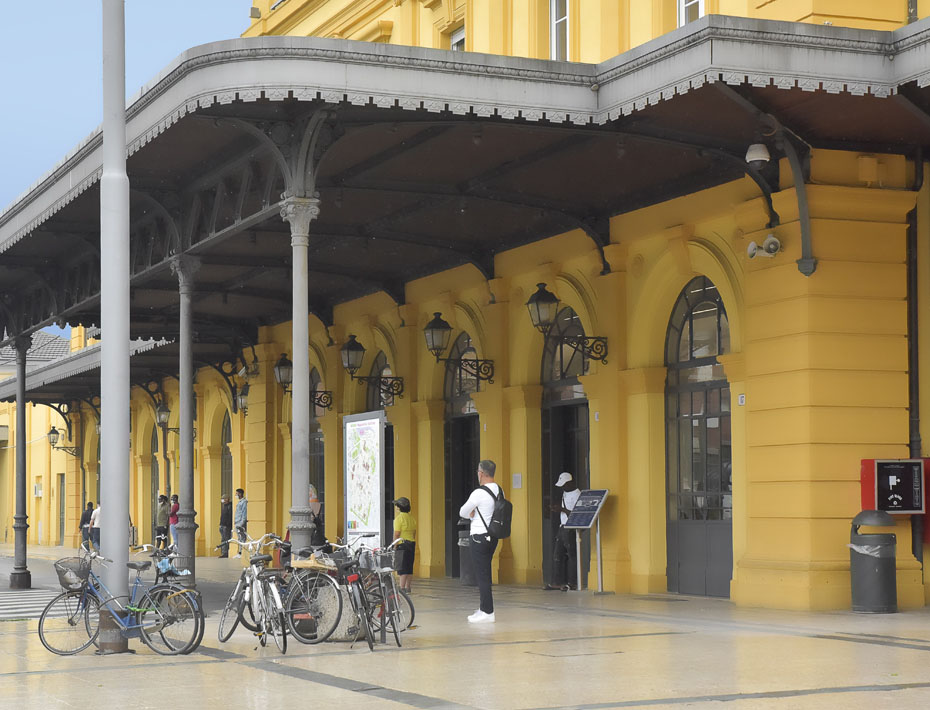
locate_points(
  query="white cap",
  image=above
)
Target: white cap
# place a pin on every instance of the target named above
(564, 478)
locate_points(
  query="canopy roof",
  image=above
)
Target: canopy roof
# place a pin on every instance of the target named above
(429, 160)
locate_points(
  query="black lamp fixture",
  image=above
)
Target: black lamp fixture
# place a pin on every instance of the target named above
(353, 352)
(163, 414)
(284, 376)
(242, 398)
(438, 333)
(53, 437)
(543, 306)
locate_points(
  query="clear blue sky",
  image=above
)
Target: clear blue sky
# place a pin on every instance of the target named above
(50, 73)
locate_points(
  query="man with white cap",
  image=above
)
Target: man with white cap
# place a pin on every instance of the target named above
(564, 560)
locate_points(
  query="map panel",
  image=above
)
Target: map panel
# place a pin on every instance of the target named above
(363, 474)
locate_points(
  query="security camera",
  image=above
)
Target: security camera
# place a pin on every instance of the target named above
(771, 245)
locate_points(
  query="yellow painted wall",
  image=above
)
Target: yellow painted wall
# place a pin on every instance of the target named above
(598, 29)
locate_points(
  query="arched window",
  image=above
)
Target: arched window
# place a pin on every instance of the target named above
(378, 398)
(226, 459)
(317, 477)
(561, 363)
(460, 384)
(698, 456)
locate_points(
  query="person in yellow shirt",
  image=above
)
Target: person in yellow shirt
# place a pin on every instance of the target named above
(405, 528)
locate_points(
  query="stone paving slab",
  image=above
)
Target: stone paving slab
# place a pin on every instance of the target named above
(547, 651)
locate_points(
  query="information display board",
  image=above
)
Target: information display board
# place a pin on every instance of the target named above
(586, 509)
(363, 435)
(899, 485)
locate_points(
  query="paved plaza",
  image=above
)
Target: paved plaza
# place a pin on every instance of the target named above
(547, 650)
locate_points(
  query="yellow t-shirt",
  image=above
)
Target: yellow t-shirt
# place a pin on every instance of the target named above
(406, 525)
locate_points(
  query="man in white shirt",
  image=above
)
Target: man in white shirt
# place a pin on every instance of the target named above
(95, 529)
(479, 508)
(564, 557)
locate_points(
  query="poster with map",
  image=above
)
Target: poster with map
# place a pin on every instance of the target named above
(364, 474)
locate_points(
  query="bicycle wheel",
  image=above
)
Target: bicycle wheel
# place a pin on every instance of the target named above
(247, 615)
(63, 627)
(313, 607)
(232, 610)
(162, 591)
(405, 610)
(360, 602)
(274, 619)
(167, 621)
(389, 610)
(257, 604)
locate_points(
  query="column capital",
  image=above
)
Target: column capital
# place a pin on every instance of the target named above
(427, 409)
(299, 212)
(22, 343)
(734, 366)
(184, 267)
(523, 396)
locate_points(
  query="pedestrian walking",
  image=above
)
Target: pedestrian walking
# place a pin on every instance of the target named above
(95, 529)
(479, 508)
(564, 552)
(84, 524)
(225, 524)
(161, 523)
(242, 517)
(173, 520)
(405, 528)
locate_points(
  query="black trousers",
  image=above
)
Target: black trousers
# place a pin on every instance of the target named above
(482, 550)
(564, 559)
(225, 532)
(161, 531)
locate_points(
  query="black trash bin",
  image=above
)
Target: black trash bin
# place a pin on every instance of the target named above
(872, 565)
(466, 564)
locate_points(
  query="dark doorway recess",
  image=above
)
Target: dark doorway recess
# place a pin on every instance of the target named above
(699, 529)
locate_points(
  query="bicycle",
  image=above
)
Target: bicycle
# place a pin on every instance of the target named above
(167, 574)
(163, 616)
(387, 601)
(257, 591)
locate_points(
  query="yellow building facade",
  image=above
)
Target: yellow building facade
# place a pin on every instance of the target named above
(803, 375)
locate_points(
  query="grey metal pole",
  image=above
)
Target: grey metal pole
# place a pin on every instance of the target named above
(578, 558)
(185, 267)
(20, 577)
(299, 212)
(600, 566)
(114, 321)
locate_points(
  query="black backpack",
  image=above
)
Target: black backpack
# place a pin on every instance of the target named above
(499, 525)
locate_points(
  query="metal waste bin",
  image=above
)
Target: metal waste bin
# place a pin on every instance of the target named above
(466, 564)
(872, 565)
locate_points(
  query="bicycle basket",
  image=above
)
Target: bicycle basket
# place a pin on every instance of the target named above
(72, 572)
(385, 560)
(376, 561)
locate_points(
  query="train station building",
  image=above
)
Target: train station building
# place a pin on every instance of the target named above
(681, 255)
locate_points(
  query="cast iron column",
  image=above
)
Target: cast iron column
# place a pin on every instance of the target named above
(20, 577)
(114, 322)
(299, 212)
(185, 267)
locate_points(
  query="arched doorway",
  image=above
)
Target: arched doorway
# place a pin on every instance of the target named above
(565, 436)
(379, 398)
(698, 447)
(462, 443)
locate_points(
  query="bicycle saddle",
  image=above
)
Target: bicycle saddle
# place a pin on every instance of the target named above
(258, 559)
(139, 566)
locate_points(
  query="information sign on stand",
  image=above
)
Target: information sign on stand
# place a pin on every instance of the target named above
(584, 516)
(364, 476)
(899, 485)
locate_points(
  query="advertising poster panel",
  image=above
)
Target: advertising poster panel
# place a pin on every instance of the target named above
(363, 435)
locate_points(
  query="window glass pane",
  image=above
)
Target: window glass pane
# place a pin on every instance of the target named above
(684, 345)
(713, 454)
(697, 403)
(713, 402)
(724, 334)
(702, 374)
(561, 9)
(724, 399)
(692, 13)
(671, 439)
(561, 42)
(684, 404)
(684, 456)
(704, 330)
(697, 455)
(685, 508)
(671, 405)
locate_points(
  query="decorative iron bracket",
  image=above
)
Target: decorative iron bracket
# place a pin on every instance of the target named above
(481, 370)
(389, 386)
(592, 347)
(64, 409)
(322, 398)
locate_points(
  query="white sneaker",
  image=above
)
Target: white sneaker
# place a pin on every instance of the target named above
(476, 614)
(236, 556)
(483, 619)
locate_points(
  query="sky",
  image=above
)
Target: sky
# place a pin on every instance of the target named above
(50, 70)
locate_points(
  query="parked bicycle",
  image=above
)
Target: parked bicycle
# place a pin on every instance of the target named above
(164, 616)
(257, 595)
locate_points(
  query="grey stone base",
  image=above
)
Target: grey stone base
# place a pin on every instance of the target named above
(21, 580)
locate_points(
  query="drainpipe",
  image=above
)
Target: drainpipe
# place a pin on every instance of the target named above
(913, 352)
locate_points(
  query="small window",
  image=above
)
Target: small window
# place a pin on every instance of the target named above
(457, 40)
(689, 11)
(558, 30)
